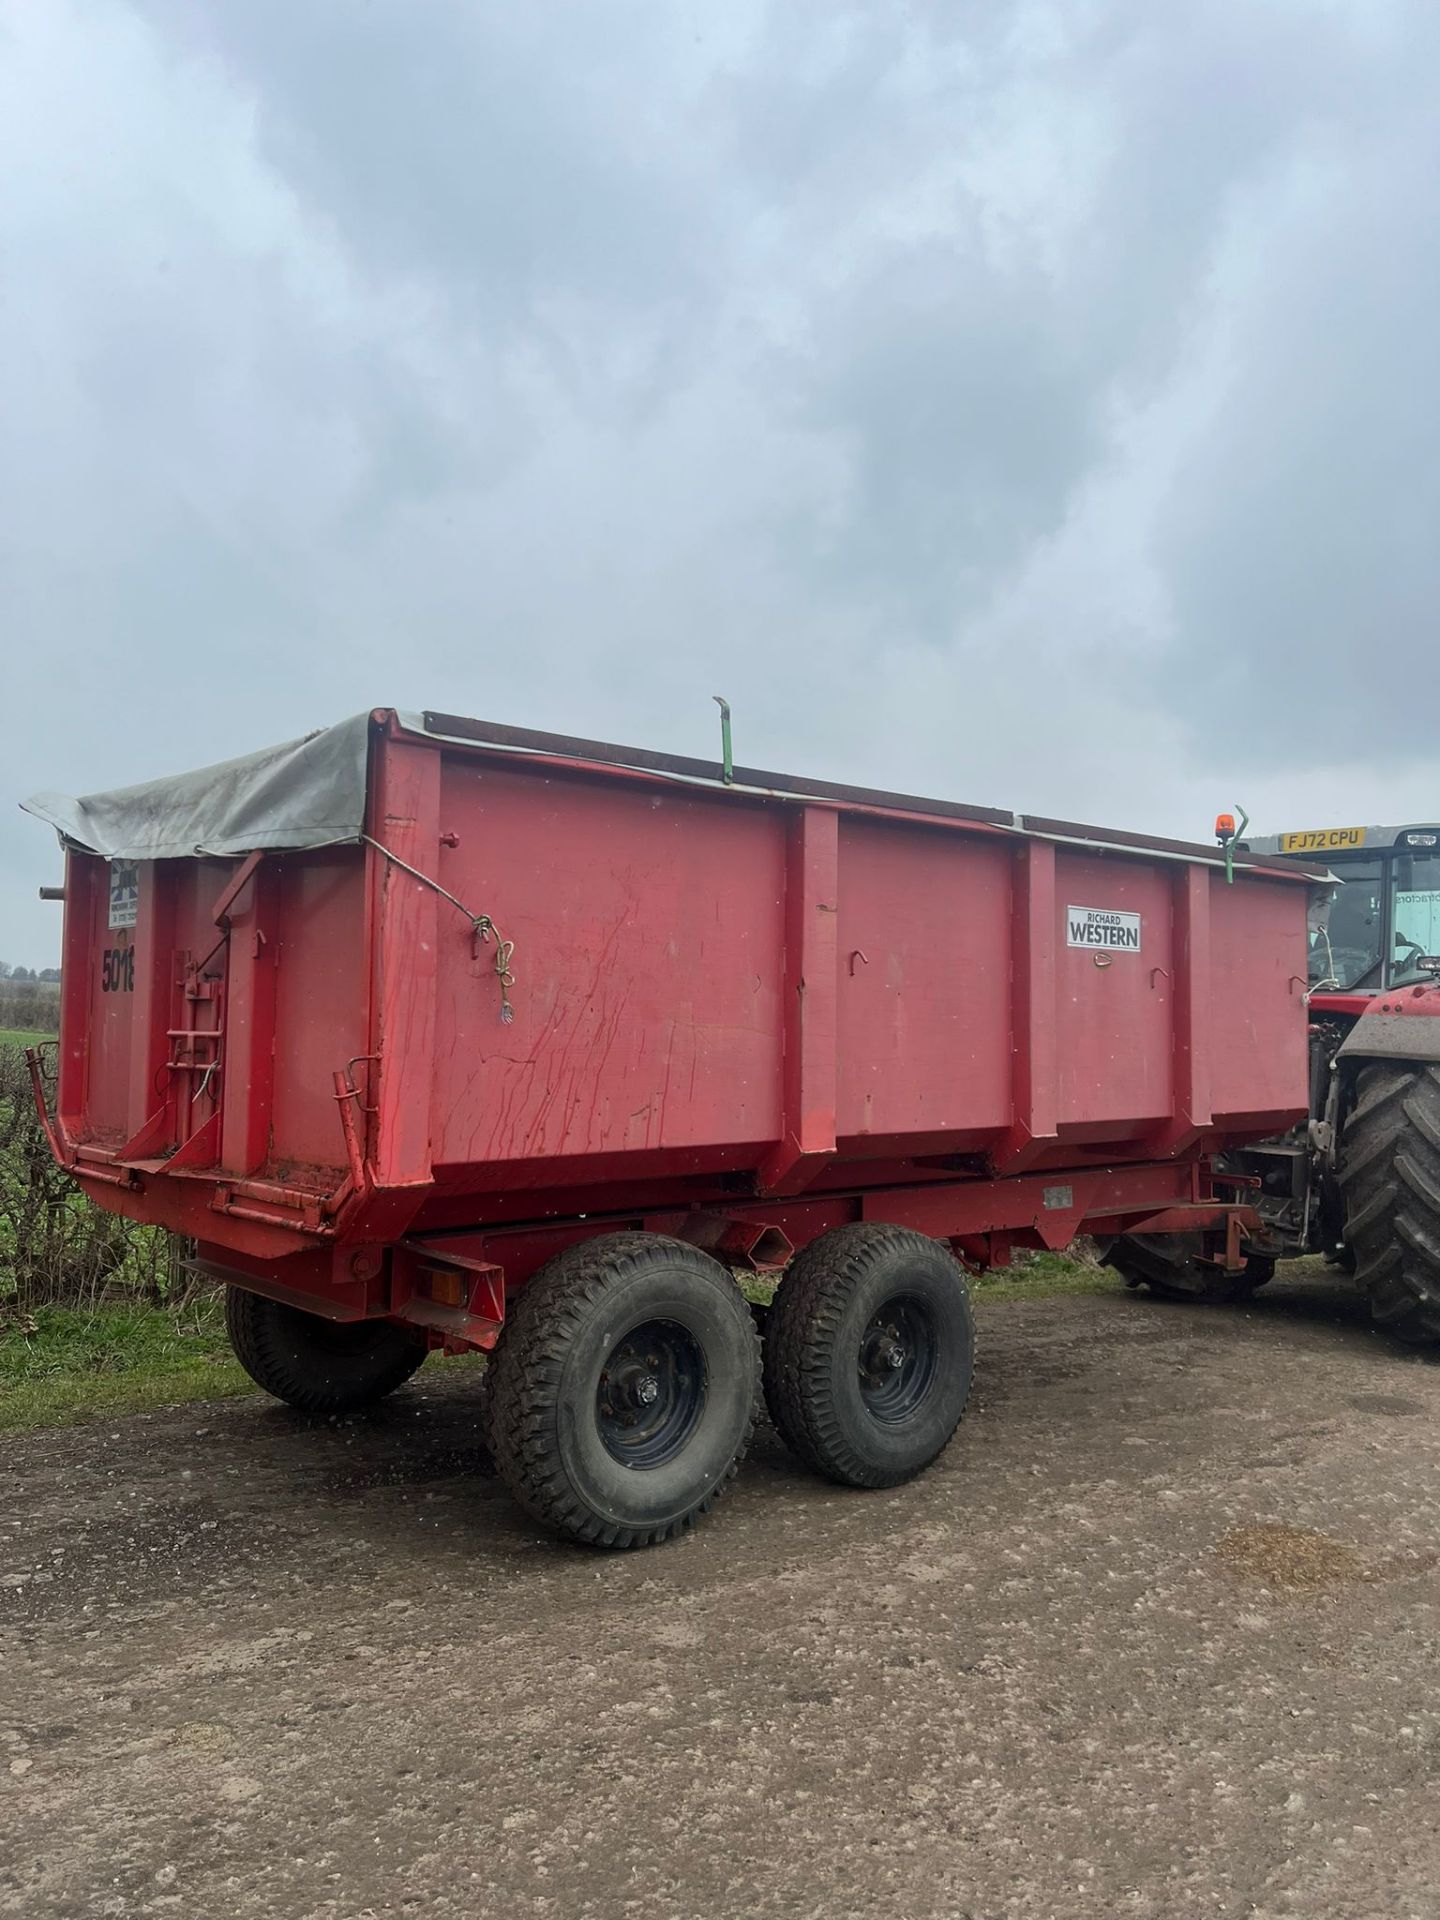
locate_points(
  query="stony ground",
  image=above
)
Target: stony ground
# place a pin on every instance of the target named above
(1158, 1637)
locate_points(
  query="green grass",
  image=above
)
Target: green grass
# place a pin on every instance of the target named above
(1045, 1276)
(59, 1365)
(22, 1037)
(1035, 1276)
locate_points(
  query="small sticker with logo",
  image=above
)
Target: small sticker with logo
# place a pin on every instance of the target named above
(124, 894)
(1058, 1199)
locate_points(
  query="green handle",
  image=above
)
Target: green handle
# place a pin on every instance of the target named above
(1230, 846)
(728, 768)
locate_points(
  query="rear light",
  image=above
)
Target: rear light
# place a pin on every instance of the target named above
(445, 1284)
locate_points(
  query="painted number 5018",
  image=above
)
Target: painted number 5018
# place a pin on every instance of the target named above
(117, 970)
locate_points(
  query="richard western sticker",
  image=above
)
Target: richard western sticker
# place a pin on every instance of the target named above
(1102, 927)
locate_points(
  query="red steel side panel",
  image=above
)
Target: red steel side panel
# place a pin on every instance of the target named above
(321, 1001)
(1256, 996)
(648, 930)
(925, 980)
(1114, 1012)
(135, 1004)
(282, 986)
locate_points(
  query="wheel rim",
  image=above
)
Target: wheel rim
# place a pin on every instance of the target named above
(651, 1393)
(898, 1359)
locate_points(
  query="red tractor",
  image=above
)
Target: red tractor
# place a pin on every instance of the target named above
(1359, 1182)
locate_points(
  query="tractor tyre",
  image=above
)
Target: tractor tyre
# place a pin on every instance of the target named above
(1390, 1177)
(318, 1365)
(1170, 1266)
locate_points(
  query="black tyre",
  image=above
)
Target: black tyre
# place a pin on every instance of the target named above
(1171, 1267)
(318, 1365)
(1390, 1177)
(624, 1389)
(869, 1354)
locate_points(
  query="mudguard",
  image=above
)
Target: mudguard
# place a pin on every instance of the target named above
(1403, 1024)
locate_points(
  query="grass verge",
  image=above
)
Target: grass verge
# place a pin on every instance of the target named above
(1045, 1276)
(22, 1037)
(59, 1365)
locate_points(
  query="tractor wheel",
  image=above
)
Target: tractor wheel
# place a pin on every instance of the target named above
(1170, 1266)
(318, 1365)
(624, 1389)
(1390, 1177)
(869, 1354)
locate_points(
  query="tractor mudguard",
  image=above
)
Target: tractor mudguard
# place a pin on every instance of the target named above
(1403, 1024)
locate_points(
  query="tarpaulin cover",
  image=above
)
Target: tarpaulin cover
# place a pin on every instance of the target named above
(307, 793)
(311, 793)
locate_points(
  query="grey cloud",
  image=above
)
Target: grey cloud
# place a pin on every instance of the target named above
(994, 400)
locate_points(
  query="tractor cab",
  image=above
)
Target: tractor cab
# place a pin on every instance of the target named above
(1380, 926)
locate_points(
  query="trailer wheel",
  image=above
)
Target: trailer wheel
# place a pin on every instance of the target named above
(1170, 1266)
(624, 1389)
(869, 1354)
(318, 1365)
(1390, 1177)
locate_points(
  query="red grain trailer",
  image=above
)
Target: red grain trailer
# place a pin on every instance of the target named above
(433, 1033)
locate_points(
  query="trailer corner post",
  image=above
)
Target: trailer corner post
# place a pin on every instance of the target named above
(809, 1063)
(1034, 1087)
(1191, 1114)
(248, 1091)
(404, 817)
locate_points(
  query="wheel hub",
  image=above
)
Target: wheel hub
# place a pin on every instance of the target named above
(650, 1394)
(897, 1360)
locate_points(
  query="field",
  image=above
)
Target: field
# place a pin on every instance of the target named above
(22, 1037)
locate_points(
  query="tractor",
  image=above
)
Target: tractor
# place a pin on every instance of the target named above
(1359, 1182)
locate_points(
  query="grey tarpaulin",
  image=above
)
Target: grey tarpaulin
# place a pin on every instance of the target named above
(307, 793)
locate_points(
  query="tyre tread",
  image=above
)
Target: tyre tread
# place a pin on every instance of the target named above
(254, 1326)
(804, 1323)
(1390, 1178)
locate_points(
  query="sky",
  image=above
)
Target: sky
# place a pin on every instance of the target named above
(1034, 405)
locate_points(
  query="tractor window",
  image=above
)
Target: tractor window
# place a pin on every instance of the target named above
(1346, 940)
(1416, 881)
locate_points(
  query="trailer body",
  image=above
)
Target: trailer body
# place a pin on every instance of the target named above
(523, 987)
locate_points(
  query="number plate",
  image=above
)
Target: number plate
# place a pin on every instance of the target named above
(1323, 840)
